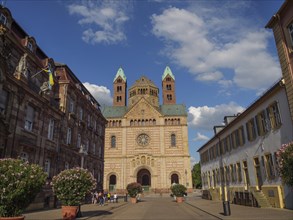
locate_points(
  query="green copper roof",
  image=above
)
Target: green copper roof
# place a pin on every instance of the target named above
(166, 110)
(114, 111)
(120, 73)
(173, 110)
(168, 72)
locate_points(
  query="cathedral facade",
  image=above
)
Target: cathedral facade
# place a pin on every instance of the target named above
(146, 142)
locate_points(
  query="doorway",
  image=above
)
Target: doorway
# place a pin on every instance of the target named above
(144, 178)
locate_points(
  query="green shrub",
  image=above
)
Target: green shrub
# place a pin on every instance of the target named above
(71, 186)
(20, 182)
(133, 189)
(178, 190)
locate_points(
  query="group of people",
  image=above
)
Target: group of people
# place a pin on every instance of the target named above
(102, 198)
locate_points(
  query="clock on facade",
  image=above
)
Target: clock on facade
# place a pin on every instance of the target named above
(143, 139)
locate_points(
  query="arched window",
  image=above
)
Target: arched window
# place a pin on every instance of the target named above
(112, 183)
(173, 140)
(113, 141)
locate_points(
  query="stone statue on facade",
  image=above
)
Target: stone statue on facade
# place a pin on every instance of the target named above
(21, 67)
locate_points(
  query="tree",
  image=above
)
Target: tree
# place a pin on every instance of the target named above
(196, 177)
(285, 162)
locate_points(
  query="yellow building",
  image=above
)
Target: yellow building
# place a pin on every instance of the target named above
(146, 142)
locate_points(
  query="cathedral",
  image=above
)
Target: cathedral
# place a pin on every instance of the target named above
(145, 141)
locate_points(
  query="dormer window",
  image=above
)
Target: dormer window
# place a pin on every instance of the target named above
(30, 46)
(3, 19)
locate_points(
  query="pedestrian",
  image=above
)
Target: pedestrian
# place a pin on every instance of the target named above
(109, 197)
(101, 199)
(93, 197)
(115, 197)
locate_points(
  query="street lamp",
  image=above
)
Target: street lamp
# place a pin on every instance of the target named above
(82, 151)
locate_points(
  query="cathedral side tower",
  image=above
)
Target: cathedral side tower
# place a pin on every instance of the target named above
(119, 88)
(168, 87)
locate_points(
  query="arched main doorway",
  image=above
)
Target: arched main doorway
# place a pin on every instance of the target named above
(144, 178)
(112, 183)
(174, 178)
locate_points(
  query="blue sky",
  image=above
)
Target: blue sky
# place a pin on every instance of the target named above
(219, 51)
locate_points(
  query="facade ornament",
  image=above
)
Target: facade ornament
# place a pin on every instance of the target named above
(21, 67)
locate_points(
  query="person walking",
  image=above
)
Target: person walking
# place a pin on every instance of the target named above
(115, 197)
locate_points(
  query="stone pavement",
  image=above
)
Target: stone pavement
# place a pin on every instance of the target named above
(213, 208)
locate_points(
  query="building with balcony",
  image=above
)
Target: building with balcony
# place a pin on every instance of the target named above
(46, 114)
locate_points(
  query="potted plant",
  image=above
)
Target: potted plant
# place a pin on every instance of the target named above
(20, 182)
(133, 190)
(71, 186)
(179, 191)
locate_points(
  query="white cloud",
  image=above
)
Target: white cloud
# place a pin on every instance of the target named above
(217, 49)
(101, 93)
(205, 117)
(200, 137)
(192, 162)
(104, 20)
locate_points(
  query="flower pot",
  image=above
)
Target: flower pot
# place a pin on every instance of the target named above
(179, 199)
(133, 200)
(69, 212)
(13, 218)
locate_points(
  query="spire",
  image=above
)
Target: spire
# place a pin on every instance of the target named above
(120, 73)
(168, 72)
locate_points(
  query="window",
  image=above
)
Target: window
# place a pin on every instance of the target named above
(168, 87)
(173, 140)
(71, 105)
(24, 156)
(29, 118)
(3, 19)
(169, 97)
(119, 88)
(274, 115)
(241, 136)
(66, 165)
(250, 128)
(239, 175)
(80, 113)
(3, 101)
(78, 143)
(269, 166)
(119, 99)
(100, 152)
(94, 148)
(113, 141)
(51, 129)
(47, 166)
(68, 136)
(30, 46)
(88, 120)
(261, 121)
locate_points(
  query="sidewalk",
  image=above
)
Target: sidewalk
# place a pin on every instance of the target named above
(238, 212)
(87, 210)
(213, 208)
